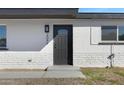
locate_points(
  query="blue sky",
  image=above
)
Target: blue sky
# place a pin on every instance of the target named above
(116, 10)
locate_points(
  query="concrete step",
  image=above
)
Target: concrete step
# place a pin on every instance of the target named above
(63, 68)
(64, 74)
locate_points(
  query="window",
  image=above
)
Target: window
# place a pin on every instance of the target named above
(2, 36)
(109, 33)
(121, 33)
(112, 33)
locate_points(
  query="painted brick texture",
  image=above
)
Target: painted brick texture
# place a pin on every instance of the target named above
(91, 59)
(27, 41)
(25, 60)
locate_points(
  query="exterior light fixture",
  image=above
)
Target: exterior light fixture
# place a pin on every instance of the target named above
(46, 28)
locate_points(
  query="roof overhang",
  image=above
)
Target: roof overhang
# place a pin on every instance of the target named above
(54, 13)
(100, 16)
(9, 13)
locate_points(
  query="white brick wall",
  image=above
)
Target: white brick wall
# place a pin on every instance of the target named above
(97, 60)
(19, 60)
(91, 59)
(26, 40)
(119, 59)
(86, 50)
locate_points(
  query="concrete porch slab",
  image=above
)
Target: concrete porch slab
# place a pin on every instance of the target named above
(63, 74)
(63, 71)
(63, 68)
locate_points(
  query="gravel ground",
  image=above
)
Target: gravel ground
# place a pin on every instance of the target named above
(42, 81)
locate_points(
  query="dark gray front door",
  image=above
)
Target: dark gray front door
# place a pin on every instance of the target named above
(62, 39)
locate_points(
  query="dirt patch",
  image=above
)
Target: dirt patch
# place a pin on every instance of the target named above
(43, 81)
(21, 70)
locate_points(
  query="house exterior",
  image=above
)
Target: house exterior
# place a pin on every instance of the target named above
(35, 38)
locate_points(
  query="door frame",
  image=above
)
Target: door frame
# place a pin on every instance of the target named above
(70, 52)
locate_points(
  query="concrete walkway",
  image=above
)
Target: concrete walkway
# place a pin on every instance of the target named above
(63, 72)
(52, 72)
(21, 74)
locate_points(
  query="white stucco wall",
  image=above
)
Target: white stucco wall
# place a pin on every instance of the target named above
(26, 40)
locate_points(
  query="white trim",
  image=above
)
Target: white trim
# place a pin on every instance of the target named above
(117, 33)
